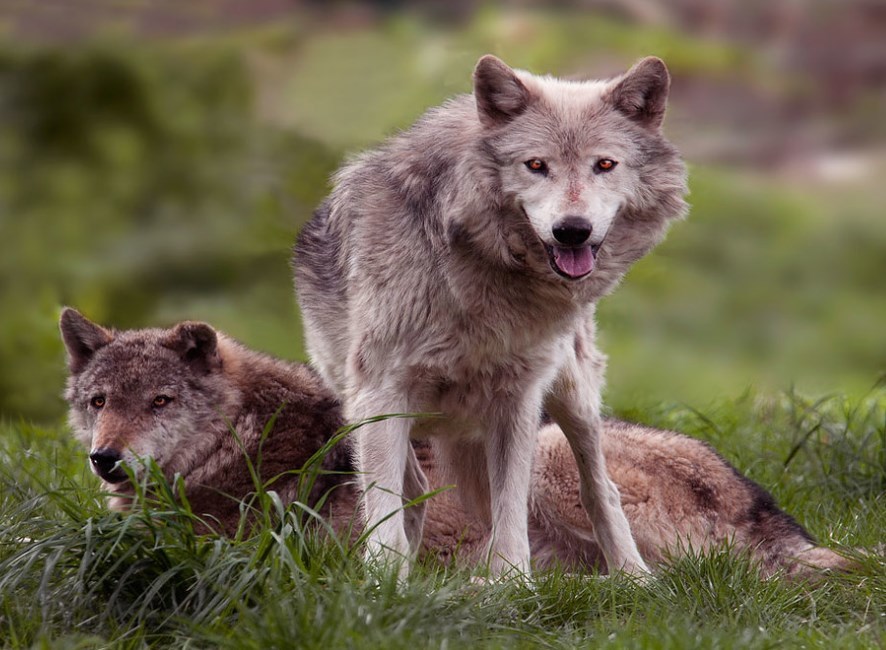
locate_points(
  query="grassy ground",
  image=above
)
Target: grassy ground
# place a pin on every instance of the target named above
(74, 576)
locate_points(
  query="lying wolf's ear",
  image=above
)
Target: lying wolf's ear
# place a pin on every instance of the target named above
(500, 95)
(82, 338)
(197, 344)
(642, 93)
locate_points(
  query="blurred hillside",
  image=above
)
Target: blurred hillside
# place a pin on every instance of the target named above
(157, 159)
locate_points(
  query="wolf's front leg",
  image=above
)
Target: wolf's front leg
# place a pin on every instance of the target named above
(383, 457)
(510, 448)
(574, 403)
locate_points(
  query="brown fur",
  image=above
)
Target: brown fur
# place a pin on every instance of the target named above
(214, 387)
(677, 492)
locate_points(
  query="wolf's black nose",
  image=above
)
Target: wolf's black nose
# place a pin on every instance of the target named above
(572, 231)
(105, 461)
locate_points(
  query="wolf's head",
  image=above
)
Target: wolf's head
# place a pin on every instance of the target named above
(141, 393)
(582, 160)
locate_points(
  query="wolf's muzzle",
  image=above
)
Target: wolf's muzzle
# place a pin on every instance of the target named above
(106, 463)
(571, 256)
(572, 231)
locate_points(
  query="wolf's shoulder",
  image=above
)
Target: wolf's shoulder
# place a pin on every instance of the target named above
(291, 398)
(271, 383)
(444, 132)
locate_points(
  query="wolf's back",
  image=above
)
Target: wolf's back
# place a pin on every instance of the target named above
(320, 273)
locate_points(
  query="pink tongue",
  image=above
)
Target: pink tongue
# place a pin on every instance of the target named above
(574, 262)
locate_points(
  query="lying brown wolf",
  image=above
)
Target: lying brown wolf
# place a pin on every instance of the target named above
(173, 395)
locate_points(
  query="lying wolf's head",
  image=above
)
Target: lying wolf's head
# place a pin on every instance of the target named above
(140, 393)
(582, 158)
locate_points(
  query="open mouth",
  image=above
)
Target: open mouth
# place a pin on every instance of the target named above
(573, 262)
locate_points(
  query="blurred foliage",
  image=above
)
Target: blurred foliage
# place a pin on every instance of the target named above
(132, 180)
(762, 287)
(146, 182)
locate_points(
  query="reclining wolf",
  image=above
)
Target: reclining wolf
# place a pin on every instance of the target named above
(174, 394)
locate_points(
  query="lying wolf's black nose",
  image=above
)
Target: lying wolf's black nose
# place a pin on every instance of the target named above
(104, 461)
(572, 231)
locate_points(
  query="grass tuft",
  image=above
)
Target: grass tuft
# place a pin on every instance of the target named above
(73, 575)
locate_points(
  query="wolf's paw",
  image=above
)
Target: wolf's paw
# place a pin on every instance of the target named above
(507, 574)
(637, 572)
(381, 559)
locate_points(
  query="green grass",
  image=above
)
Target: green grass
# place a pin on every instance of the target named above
(75, 576)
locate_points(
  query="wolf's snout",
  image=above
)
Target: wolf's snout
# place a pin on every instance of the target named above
(570, 257)
(105, 463)
(572, 231)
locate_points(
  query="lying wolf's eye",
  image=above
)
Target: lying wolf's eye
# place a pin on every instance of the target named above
(97, 402)
(161, 400)
(605, 165)
(536, 165)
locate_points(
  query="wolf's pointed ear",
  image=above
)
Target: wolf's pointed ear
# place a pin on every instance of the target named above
(642, 93)
(197, 344)
(81, 337)
(499, 94)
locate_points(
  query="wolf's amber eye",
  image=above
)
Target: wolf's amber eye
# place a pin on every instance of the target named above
(161, 400)
(536, 165)
(605, 165)
(97, 402)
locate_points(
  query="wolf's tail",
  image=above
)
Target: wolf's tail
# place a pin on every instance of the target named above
(817, 560)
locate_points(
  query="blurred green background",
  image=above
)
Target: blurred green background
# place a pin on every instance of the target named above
(158, 158)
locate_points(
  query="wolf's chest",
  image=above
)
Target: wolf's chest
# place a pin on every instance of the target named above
(468, 394)
(461, 408)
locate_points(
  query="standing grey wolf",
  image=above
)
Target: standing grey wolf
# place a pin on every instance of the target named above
(455, 270)
(174, 394)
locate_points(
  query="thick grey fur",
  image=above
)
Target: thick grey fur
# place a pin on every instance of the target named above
(427, 283)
